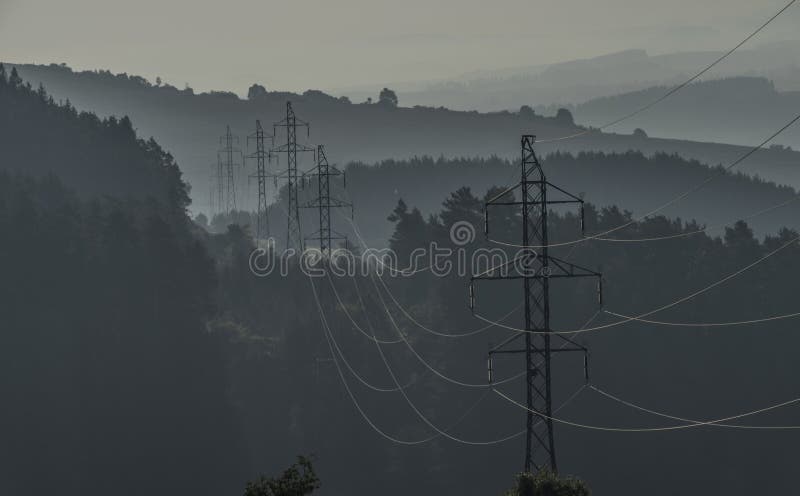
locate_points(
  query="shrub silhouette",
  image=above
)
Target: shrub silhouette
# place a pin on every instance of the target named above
(547, 483)
(297, 480)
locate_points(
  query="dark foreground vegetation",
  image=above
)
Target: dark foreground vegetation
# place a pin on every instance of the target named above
(297, 480)
(546, 483)
(139, 355)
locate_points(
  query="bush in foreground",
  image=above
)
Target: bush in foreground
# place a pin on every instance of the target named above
(297, 480)
(547, 483)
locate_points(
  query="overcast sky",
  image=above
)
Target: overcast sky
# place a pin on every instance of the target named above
(301, 44)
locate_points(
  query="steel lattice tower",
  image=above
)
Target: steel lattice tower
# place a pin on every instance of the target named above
(262, 155)
(291, 148)
(324, 202)
(535, 269)
(227, 164)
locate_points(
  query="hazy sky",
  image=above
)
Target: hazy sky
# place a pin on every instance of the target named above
(300, 44)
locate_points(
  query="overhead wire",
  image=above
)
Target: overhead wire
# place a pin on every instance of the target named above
(361, 379)
(681, 419)
(370, 336)
(401, 389)
(414, 351)
(689, 425)
(439, 432)
(410, 317)
(656, 310)
(352, 396)
(424, 418)
(411, 348)
(625, 318)
(709, 324)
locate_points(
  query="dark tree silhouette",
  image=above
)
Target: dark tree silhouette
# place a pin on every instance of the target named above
(256, 91)
(564, 117)
(298, 480)
(388, 97)
(546, 483)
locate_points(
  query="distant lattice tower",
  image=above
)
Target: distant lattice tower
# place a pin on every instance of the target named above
(291, 148)
(262, 156)
(228, 164)
(323, 173)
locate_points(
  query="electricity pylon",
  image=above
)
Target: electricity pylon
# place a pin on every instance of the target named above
(535, 269)
(324, 202)
(262, 156)
(291, 148)
(225, 156)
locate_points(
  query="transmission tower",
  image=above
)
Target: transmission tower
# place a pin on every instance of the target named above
(324, 202)
(535, 269)
(262, 155)
(225, 156)
(291, 148)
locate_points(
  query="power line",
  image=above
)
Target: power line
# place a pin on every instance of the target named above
(350, 392)
(412, 349)
(424, 362)
(434, 331)
(440, 432)
(676, 88)
(672, 417)
(361, 411)
(709, 324)
(358, 376)
(491, 323)
(659, 309)
(364, 311)
(411, 318)
(416, 354)
(422, 416)
(649, 429)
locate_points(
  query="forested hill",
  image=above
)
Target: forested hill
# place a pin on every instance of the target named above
(693, 373)
(90, 155)
(629, 180)
(189, 125)
(111, 383)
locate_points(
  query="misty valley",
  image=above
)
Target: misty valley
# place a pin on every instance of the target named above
(564, 279)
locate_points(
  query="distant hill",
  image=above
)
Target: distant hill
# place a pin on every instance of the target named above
(189, 126)
(92, 156)
(576, 81)
(739, 110)
(629, 180)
